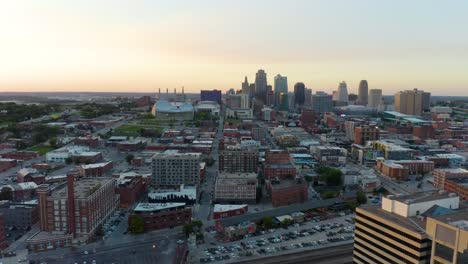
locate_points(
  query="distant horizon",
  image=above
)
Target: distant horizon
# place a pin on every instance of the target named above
(127, 46)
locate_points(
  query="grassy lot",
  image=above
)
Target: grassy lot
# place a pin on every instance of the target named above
(231, 120)
(41, 149)
(132, 130)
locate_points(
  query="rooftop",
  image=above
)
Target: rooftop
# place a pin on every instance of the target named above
(173, 107)
(458, 218)
(151, 207)
(421, 197)
(189, 191)
(83, 188)
(95, 165)
(414, 224)
(227, 207)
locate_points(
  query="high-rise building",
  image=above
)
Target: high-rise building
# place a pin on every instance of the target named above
(252, 90)
(244, 101)
(375, 98)
(342, 93)
(363, 93)
(230, 91)
(364, 133)
(171, 168)
(261, 85)
(299, 94)
(234, 101)
(410, 102)
(308, 97)
(246, 87)
(322, 102)
(395, 232)
(281, 86)
(426, 101)
(270, 99)
(211, 95)
(283, 102)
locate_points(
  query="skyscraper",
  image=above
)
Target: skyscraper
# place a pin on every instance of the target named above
(410, 102)
(261, 85)
(375, 98)
(322, 102)
(342, 94)
(246, 87)
(283, 101)
(280, 86)
(363, 93)
(299, 94)
(426, 103)
(308, 97)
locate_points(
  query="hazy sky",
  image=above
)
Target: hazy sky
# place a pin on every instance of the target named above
(135, 45)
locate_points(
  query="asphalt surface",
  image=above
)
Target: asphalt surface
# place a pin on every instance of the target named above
(337, 254)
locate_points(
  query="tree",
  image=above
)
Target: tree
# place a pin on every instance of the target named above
(53, 142)
(259, 194)
(136, 225)
(361, 197)
(6, 194)
(328, 195)
(198, 224)
(332, 177)
(188, 229)
(267, 222)
(287, 222)
(129, 158)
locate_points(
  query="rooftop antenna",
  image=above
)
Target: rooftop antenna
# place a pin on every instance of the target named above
(183, 93)
(167, 93)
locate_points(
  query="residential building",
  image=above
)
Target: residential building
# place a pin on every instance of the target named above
(157, 216)
(93, 200)
(236, 188)
(364, 133)
(410, 102)
(440, 176)
(236, 159)
(172, 168)
(401, 169)
(458, 186)
(375, 98)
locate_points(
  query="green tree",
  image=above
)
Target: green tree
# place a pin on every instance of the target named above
(129, 158)
(287, 222)
(6, 194)
(267, 222)
(197, 224)
(328, 195)
(188, 229)
(136, 225)
(259, 193)
(361, 197)
(53, 142)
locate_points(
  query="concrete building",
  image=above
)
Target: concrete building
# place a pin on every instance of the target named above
(322, 102)
(236, 188)
(342, 93)
(441, 175)
(93, 200)
(395, 231)
(458, 186)
(210, 107)
(238, 160)
(449, 233)
(363, 93)
(410, 102)
(157, 216)
(75, 152)
(375, 98)
(19, 215)
(171, 168)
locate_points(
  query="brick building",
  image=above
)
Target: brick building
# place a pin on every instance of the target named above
(6, 164)
(440, 176)
(19, 215)
(95, 170)
(362, 134)
(130, 189)
(238, 160)
(93, 199)
(401, 169)
(458, 186)
(3, 240)
(133, 145)
(89, 141)
(162, 215)
(236, 188)
(287, 192)
(21, 155)
(424, 131)
(277, 157)
(228, 210)
(307, 118)
(279, 171)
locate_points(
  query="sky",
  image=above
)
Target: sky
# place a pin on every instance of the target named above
(140, 46)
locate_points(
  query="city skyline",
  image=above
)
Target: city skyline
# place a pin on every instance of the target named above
(124, 46)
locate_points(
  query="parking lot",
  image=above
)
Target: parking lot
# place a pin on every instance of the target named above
(298, 237)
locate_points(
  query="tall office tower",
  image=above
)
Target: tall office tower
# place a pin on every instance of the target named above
(291, 99)
(395, 232)
(261, 85)
(238, 160)
(231, 91)
(335, 95)
(426, 103)
(281, 86)
(244, 104)
(211, 95)
(322, 102)
(308, 97)
(375, 98)
(270, 100)
(299, 94)
(410, 102)
(342, 95)
(283, 101)
(246, 86)
(234, 101)
(363, 93)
